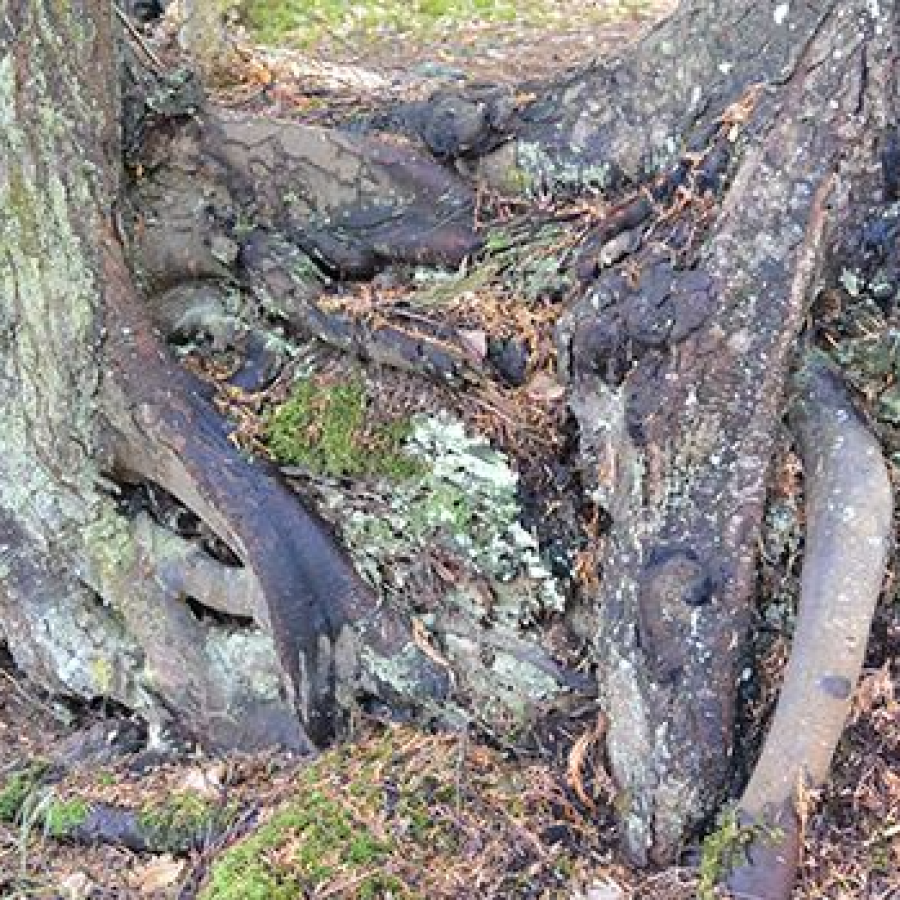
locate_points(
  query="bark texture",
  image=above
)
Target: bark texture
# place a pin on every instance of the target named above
(682, 365)
(849, 514)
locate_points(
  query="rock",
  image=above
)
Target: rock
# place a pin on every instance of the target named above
(510, 358)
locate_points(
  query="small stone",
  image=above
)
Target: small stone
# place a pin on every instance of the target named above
(224, 249)
(607, 890)
(510, 358)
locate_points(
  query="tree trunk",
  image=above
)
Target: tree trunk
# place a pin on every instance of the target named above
(730, 145)
(687, 363)
(93, 604)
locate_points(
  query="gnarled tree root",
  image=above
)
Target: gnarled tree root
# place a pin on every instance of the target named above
(849, 509)
(332, 637)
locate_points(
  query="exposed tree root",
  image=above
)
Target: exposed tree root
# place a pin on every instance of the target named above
(849, 510)
(332, 637)
(351, 202)
(273, 270)
(688, 360)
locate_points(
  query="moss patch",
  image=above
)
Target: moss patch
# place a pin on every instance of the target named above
(721, 849)
(307, 844)
(182, 820)
(64, 816)
(406, 816)
(323, 427)
(466, 499)
(14, 790)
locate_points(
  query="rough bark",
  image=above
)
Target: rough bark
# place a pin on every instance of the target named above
(627, 118)
(682, 367)
(763, 120)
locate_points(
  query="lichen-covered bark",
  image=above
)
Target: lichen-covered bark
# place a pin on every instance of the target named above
(625, 118)
(685, 364)
(57, 145)
(81, 611)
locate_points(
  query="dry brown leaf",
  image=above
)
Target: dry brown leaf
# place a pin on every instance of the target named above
(544, 387)
(474, 342)
(158, 875)
(580, 759)
(206, 782)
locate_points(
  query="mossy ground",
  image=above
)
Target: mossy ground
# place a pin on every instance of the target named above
(324, 428)
(64, 816)
(406, 816)
(22, 796)
(182, 819)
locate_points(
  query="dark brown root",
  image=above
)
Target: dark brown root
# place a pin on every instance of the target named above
(849, 509)
(269, 266)
(324, 620)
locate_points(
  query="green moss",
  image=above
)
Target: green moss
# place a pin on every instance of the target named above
(323, 427)
(64, 816)
(181, 820)
(302, 22)
(300, 848)
(14, 790)
(721, 849)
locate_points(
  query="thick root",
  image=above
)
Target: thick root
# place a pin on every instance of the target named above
(849, 509)
(333, 639)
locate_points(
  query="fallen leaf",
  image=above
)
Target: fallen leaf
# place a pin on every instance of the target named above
(157, 875)
(543, 388)
(475, 342)
(76, 886)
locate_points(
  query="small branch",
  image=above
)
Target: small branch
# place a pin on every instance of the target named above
(138, 39)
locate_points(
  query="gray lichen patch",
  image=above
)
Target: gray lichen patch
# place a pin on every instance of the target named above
(465, 502)
(449, 546)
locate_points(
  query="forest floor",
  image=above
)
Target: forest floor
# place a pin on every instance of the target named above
(443, 816)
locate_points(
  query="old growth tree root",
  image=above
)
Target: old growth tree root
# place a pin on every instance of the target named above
(678, 373)
(333, 638)
(849, 509)
(684, 353)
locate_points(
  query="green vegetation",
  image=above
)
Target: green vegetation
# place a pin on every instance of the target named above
(14, 790)
(303, 22)
(59, 817)
(305, 845)
(720, 850)
(64, 816)
(322, 427)
(378, 819)
(182, 819)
